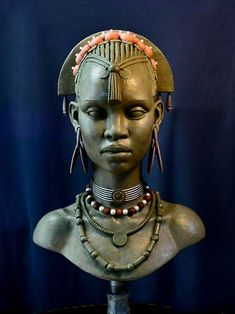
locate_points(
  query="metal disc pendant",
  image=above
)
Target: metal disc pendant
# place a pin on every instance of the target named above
(119, 239)
(118, 197)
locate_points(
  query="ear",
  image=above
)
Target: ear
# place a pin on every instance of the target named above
(73, 114)
(159, 111)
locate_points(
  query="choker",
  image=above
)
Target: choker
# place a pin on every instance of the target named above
(117, 197)
(117, 238)
(119, 212)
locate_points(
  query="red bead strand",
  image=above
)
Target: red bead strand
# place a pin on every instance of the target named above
(117, 212)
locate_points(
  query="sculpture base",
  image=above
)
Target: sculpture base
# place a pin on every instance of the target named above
(136, 308)
(118, 298)
(118, 304)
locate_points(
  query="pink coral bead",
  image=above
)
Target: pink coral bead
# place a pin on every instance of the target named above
(128, 37)
(75, 69)
(79, 58)
(148, 51)
(111, 35)
(85, 49)
(102, 35)
(135, 39)
(140, 44)
(96, 41)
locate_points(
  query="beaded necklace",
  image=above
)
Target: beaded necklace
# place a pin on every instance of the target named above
(105, 264)
(118, 238)
(118, 212)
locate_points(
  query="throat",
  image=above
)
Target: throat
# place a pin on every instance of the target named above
(117, 181)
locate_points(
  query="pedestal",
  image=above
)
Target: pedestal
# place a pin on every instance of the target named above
(118, 298)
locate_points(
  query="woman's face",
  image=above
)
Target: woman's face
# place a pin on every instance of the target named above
(116, 134)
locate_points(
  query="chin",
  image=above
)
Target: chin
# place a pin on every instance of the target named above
(121, 168)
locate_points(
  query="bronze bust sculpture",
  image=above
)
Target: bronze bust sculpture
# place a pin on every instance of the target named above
(118, 229)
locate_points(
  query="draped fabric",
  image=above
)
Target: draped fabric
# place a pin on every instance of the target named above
(196, 139)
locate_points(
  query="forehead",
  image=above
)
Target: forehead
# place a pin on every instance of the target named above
(134, 83)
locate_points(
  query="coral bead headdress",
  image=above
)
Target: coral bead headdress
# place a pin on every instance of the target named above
(66, 82)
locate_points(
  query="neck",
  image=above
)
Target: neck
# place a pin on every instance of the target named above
(116, 181)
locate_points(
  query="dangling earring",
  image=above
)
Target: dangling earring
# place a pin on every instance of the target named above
(79, 150)
(155, 149)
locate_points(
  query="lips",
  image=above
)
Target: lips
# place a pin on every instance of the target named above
(116, 149)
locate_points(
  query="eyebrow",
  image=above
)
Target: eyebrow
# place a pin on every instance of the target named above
(85, 103)
(134, 101)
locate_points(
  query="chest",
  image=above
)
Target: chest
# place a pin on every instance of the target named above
(108, 250)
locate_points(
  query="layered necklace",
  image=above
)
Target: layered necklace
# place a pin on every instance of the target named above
(117, 197)
(119, 239)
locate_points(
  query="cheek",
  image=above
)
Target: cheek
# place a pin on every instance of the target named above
(90, 144)
(91, 132)
(142, 140)
(146, 141)
(144, 133)
(91, 137)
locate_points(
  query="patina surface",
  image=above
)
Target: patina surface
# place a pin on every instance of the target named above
(116, 108)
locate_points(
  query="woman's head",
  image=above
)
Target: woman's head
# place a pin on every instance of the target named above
(115, 107)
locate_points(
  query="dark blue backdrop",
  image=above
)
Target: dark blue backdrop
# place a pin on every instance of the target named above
(197, 141)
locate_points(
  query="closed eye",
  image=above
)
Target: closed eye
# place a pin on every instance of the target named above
(136, 112)
(96, 113)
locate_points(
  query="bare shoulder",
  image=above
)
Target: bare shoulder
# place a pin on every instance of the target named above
(185, 225)
(53, 229)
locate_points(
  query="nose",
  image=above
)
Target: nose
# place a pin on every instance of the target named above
(116, 128)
